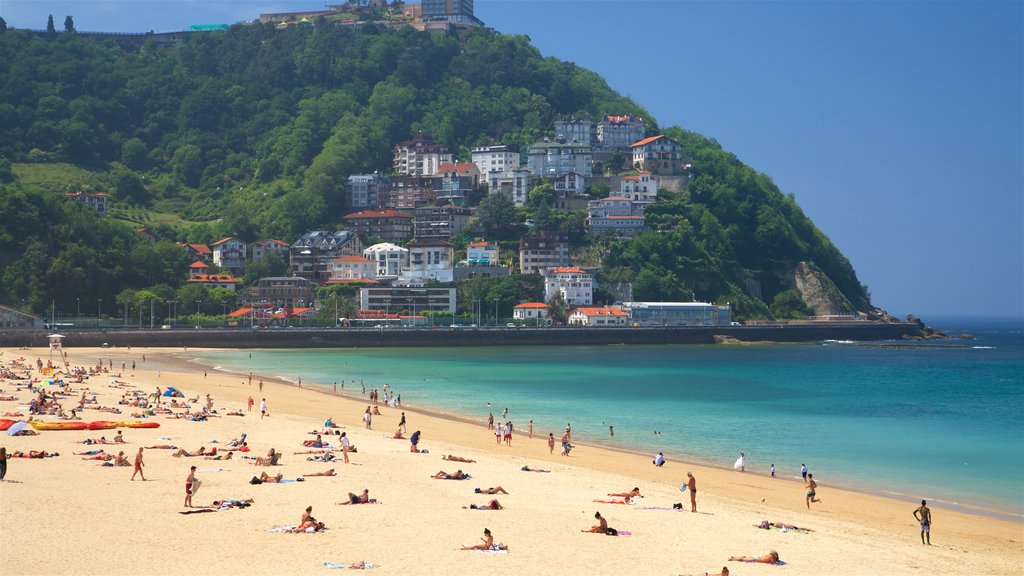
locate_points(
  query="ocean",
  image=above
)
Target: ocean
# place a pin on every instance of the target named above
(936, 420)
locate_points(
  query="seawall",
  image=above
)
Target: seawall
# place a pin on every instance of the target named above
(396, 337)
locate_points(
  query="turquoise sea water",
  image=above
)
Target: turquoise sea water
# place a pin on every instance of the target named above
(923, 421)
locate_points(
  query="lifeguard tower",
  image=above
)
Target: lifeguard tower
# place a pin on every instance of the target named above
(56, 346)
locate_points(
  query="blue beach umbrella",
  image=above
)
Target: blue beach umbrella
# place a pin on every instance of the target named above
(16, 427)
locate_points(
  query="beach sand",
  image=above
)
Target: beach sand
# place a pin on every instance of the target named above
(64, 515)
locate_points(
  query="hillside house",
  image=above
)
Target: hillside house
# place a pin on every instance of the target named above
(310, 256)
(269, 246)
(229, 253)
(591, 316)
(390, 260)
(97, 201)
(658, 155)
(390, 225)
(574, 284)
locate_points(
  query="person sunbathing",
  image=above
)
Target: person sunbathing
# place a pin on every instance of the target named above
(219, 456)
(634, 493)
(162, 447)
(528, 469)
(325, 457)
(769, 558)
(308, 522)
(271, 460)
(492, 505)
(451, 458)
(398, 435)
(782, 526)
(242, 448)
(182, 452)
(33, 454)
(724, 572)
(363, 498)
(442, 475)
(488, 542)
(330, 472)
(119, 460)
(100, 456)
(493, 490)
(271, 479)
(237, 441)
(318, 443)
(90, 452)
(601, 527)
(232, 503)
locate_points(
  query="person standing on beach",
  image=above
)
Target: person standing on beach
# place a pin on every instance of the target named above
(490, 420)
(188, 487)
(401, 424)
(924, 516)
(368, 419)
(250, 378)
(530, 429)
(773, 470)
(263, 408)
(811, 491)
(3, 463)
(741, 463)
(138, 465)
(803, 471)
(691, 485)
(497, 433)
(261, 385)
(551, 442)
(345, 446)
(250, 402)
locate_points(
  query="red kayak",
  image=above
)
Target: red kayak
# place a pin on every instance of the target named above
(102, 425)
(5, 424)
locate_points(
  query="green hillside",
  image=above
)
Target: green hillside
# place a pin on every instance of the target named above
(252, 132)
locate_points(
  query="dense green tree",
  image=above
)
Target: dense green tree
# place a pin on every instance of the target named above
(496, 217)
(129, 186)
(789, 305)
(3, 25)
(69, 24)
(51, 30)
(133, 154)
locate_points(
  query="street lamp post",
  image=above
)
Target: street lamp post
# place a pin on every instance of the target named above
(99, 310)
(78, 309)
(495, 310)
(168, 310)
(198, 302)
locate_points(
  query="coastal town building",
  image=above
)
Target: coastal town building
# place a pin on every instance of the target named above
(514, 183)
(97, 201)
(481, 261)
(311, 255)
(420, 156)
(615, 216)
(440, 222)
(574, 284)
(229, 253)
(542, 250)
(531, 311)
(552, 159)
(11, 318)
(658, 154)
(678, 314)
(197, 268)
(390, 260)
(614, 132)
(197, 251)
(414, 299)
(429, 260)
(280, 292)
(214, 280)
(451, 11)
(453, 181)
(498, 158)
(390, 225)
(578, 130)
(409, 192)
(591, 316)
(269, 246)
(348, 269)
(367, 191)
(640, 188)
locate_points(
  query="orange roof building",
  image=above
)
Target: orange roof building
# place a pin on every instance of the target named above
(598, 316)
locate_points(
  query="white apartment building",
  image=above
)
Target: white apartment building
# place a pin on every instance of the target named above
(420, 156)
(229, 253)
(482, 254)
(349, 268)
(390, 260)
(642, 188)
(430, 260)
(554, 159)
(498, 158)
(513, 183)
(574, 284)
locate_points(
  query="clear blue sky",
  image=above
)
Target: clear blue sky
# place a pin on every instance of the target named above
(898, 126)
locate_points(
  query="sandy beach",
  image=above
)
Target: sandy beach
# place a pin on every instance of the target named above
(65, 515)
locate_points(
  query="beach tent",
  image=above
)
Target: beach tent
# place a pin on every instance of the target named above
(173, 392)
(16, 427)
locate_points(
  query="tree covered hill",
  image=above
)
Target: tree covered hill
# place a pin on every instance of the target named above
(252, 132)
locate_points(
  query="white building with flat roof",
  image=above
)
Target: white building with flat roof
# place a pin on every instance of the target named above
(574, 284)
(678, 313)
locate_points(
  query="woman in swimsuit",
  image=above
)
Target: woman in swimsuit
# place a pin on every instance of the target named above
(769, 558)
(488, 542)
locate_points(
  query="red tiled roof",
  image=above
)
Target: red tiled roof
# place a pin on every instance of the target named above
(619, 118)
(212, 279)
(240, 312)
(647, 141)
(530, 305)
(460, 167)
(353, 259)
(601, 311)
(568, 270)
(199, 248)
(223, 240)
(478, 244)
(275, 241)
(197, 264)
(389, 213)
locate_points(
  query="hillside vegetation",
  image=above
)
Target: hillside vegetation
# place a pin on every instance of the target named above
(252, 132)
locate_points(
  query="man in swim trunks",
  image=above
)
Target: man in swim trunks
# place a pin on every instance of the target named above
(924, 516)
(357, 499)
(138, 465)
(811, 492)
(188, 487)
(691, 485)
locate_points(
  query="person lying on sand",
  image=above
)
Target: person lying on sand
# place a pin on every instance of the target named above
(330, 472)
(442, 475)
(272, 479)
(601, 527)
(451, 458)
(318, 443)
(100, 456)
(724, 572)
(162, 447)
(363, 498)
(308, 522)
(183, 452)
(769, 558)
(766, 525)
(33, 454)
(492, 505)
(232, 503)
(119, 460)
(219, 456)
(634, 493)
(492, 490)
(528, 469)
(488, 542)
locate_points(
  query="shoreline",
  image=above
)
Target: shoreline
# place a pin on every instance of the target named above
(422, 521)
(683, 459)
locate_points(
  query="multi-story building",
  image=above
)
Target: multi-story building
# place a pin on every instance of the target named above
(578, 130)
(542, 250)
(269, 246)
(513, 183)
(641, 188)
(214, 280)
(619, 131)
(229, 253)
(311, 255)
(454, 11)
(535, 311)
(430, 260)
(482, 254)
(390, 225)
(499, 158)
(389, 260)
(197, 251)
(367, 191)
(615, 216)
(574, 284)
(352, 269)
(408, 192)
(98, 201)
(591, 316)
(412, 299)
(453, 181)
(281, 292)
(658, 154)
(420, 156)
(570, 192)
(678, 313)
(440, 222)
(552, 159)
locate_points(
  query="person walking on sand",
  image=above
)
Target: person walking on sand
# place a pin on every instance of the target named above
(401, 424)
(803, 471)
(741, 463)
(497, 433)
(773, 470)
(811, 491)
(188, 486)
(261, 385)
(345, 446)
(368, 419)
(529, 430)
(263, 408)
(924, 516)
(250, 401)
(551, 442)
(691, 484)
(490, 420)
(138, 465)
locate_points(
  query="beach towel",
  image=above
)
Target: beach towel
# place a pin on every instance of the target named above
(283, 528)
(496, 548)
(210, 470)
(659, 508)
(779, 563)
(365, 565)
(612, 501)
